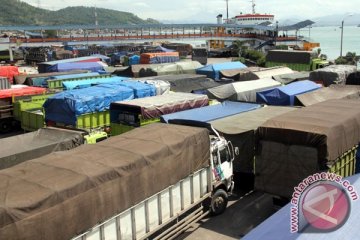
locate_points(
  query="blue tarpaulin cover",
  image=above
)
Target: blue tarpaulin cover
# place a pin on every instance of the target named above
(69, 85)
(211, 113)
(278, 225)
(213, 70)
(65, 107)
(133, 60)
(66, 67)
(140, 89)
(285, 95)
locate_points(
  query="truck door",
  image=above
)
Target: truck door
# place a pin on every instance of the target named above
(226, 162)
(222, 164)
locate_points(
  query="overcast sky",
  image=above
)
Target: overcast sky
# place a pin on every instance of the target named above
(206, 10)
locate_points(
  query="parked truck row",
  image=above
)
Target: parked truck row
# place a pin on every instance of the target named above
(154, 181)
(150, 183)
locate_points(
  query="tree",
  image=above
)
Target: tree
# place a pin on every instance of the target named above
(51, 33)
(239, 47)
(352, 58)
(349, 59)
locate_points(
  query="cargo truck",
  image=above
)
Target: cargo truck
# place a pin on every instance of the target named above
(127, 115)
(151, 183)
(88, 108)
(27, 146)
(296, 60)
(7, 99)
(319, 138)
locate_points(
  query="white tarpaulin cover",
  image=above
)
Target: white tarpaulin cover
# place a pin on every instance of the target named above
(242, 91)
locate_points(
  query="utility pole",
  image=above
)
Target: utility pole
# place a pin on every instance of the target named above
(38, 3)
(342, 32)
(227, 9)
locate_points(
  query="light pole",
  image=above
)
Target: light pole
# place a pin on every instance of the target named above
(342, 32)
(276, 31)
(227, 10)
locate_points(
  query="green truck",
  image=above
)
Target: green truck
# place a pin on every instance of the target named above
(29, 112)
(127, 115)
(296, 60)
(10, 108)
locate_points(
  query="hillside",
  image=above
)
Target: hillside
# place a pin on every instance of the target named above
(15, 12)
(335, 20)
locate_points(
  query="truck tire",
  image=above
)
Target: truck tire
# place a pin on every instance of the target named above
(5, 126)
(219, 202)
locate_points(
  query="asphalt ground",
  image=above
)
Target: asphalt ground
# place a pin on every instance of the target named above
(245, 211)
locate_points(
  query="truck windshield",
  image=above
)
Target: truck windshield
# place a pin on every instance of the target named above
(224, 155)
(128, 119)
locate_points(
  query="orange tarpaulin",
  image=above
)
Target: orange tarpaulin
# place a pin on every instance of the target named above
(7, 93)
(9, 72)
(162, 57)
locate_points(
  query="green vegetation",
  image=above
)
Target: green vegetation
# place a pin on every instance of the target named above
(16, 12)
(248, 54)
(317, 54)
(349, 59)
(282, 47)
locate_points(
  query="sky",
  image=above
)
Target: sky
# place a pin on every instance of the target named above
(202, 11)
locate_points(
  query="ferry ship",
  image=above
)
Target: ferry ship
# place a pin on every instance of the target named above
(252, 19)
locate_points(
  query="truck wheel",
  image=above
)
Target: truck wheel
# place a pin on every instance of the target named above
(5, 126)
(219, 202)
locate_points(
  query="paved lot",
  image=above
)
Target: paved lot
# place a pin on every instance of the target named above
(244, 212)
(14, 133)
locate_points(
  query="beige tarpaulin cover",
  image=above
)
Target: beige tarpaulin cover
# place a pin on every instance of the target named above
(241, 91)
(291, 77)
(250, 120)
(332, 92)
(281, 167)
(244, 74)
(254, 73)
(240, 130)
(65, 193)
(333, 127)
(23, 147)
(154, 107)
(185, 67)
(273, 71)
(305, 141)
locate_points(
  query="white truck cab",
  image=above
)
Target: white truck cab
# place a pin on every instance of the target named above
(221, 160)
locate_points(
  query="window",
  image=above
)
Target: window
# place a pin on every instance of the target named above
(129, 119)
(224, 155)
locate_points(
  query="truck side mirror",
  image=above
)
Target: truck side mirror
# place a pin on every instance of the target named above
(232, 152)
(237, 151)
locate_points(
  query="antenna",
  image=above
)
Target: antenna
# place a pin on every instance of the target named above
(253, 6)
(227, 9)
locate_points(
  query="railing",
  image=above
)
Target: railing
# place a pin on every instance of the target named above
(152, 36)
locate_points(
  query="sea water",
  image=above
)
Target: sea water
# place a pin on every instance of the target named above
(330, 39)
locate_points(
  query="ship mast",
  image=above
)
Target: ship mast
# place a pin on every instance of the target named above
(253, 6)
